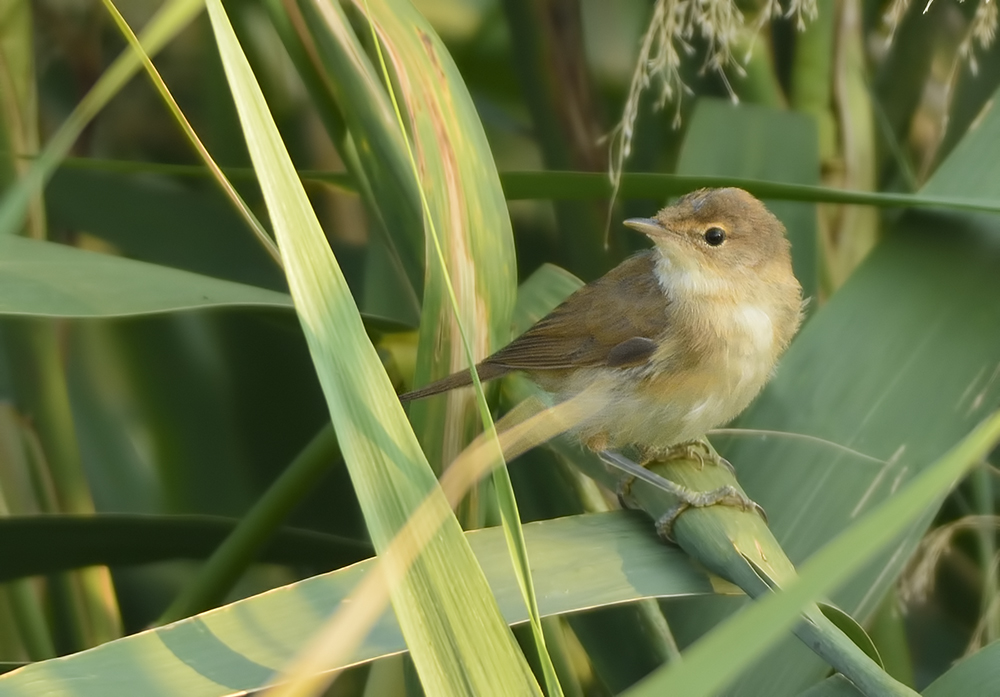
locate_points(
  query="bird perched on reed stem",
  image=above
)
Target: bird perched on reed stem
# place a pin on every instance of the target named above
(675, 340)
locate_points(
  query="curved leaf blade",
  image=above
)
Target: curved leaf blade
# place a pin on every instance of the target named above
(453, 627)
(467, 210)
(45, 279)
(581, 562)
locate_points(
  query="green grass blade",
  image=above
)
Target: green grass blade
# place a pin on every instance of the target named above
(551, 185)
(347, 75)
(454, 630)
(590, 185)
(470, 236)
(161, 87)
(169, 20)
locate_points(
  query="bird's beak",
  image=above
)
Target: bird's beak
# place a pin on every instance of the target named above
(647, 226)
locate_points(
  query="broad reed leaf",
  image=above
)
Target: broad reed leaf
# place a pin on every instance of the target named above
(897, 367)
(454, 630)
(373, 143)
(582, 562)
(470, 288)
(467, 210)
(161, 220)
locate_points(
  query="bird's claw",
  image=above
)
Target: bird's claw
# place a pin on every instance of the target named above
(623, 490)
(725, 496)
(689, 450)
(687, 498)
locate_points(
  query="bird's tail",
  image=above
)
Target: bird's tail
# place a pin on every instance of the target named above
(463, 378)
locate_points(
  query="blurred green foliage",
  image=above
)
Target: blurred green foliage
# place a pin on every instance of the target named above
(186, 387)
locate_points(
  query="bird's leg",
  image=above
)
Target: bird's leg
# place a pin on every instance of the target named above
(686, 498)
(623, 485)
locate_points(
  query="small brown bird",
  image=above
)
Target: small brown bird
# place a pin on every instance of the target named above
(674, 341)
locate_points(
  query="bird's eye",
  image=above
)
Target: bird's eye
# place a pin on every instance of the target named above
(715, 236)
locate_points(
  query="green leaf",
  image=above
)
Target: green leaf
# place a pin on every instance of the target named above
(469, 228)
(469, 292)
(454, 630)
(169, 20)
(883, 379)
(849, 626)
(581, 186)
(845, 555)
(580, 562)
(975, 676)
(971, 169)
(373, 148)
(52, 280)
(162, 221)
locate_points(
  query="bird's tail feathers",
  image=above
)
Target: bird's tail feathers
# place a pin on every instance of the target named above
(463, 378)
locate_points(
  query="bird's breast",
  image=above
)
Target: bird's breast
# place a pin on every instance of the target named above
(715, 353)
(708, 369)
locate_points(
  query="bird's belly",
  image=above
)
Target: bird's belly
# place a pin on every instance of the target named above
(632, 407)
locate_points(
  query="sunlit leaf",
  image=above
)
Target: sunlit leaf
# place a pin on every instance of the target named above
(454, 631)
(581, 562)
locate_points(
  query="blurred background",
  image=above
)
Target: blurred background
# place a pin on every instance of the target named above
(198, 413)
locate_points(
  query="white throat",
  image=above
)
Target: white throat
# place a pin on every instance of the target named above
(685, 281)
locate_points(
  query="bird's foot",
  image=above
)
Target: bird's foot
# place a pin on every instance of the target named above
(727, 495)
(723, 496)
(697, 450)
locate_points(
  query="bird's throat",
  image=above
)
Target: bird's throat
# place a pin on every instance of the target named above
(688, 281)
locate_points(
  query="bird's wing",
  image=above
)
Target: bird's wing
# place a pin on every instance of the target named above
(613, 321)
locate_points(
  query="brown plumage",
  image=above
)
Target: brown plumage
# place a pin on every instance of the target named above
(673, 341)
(622, 308)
